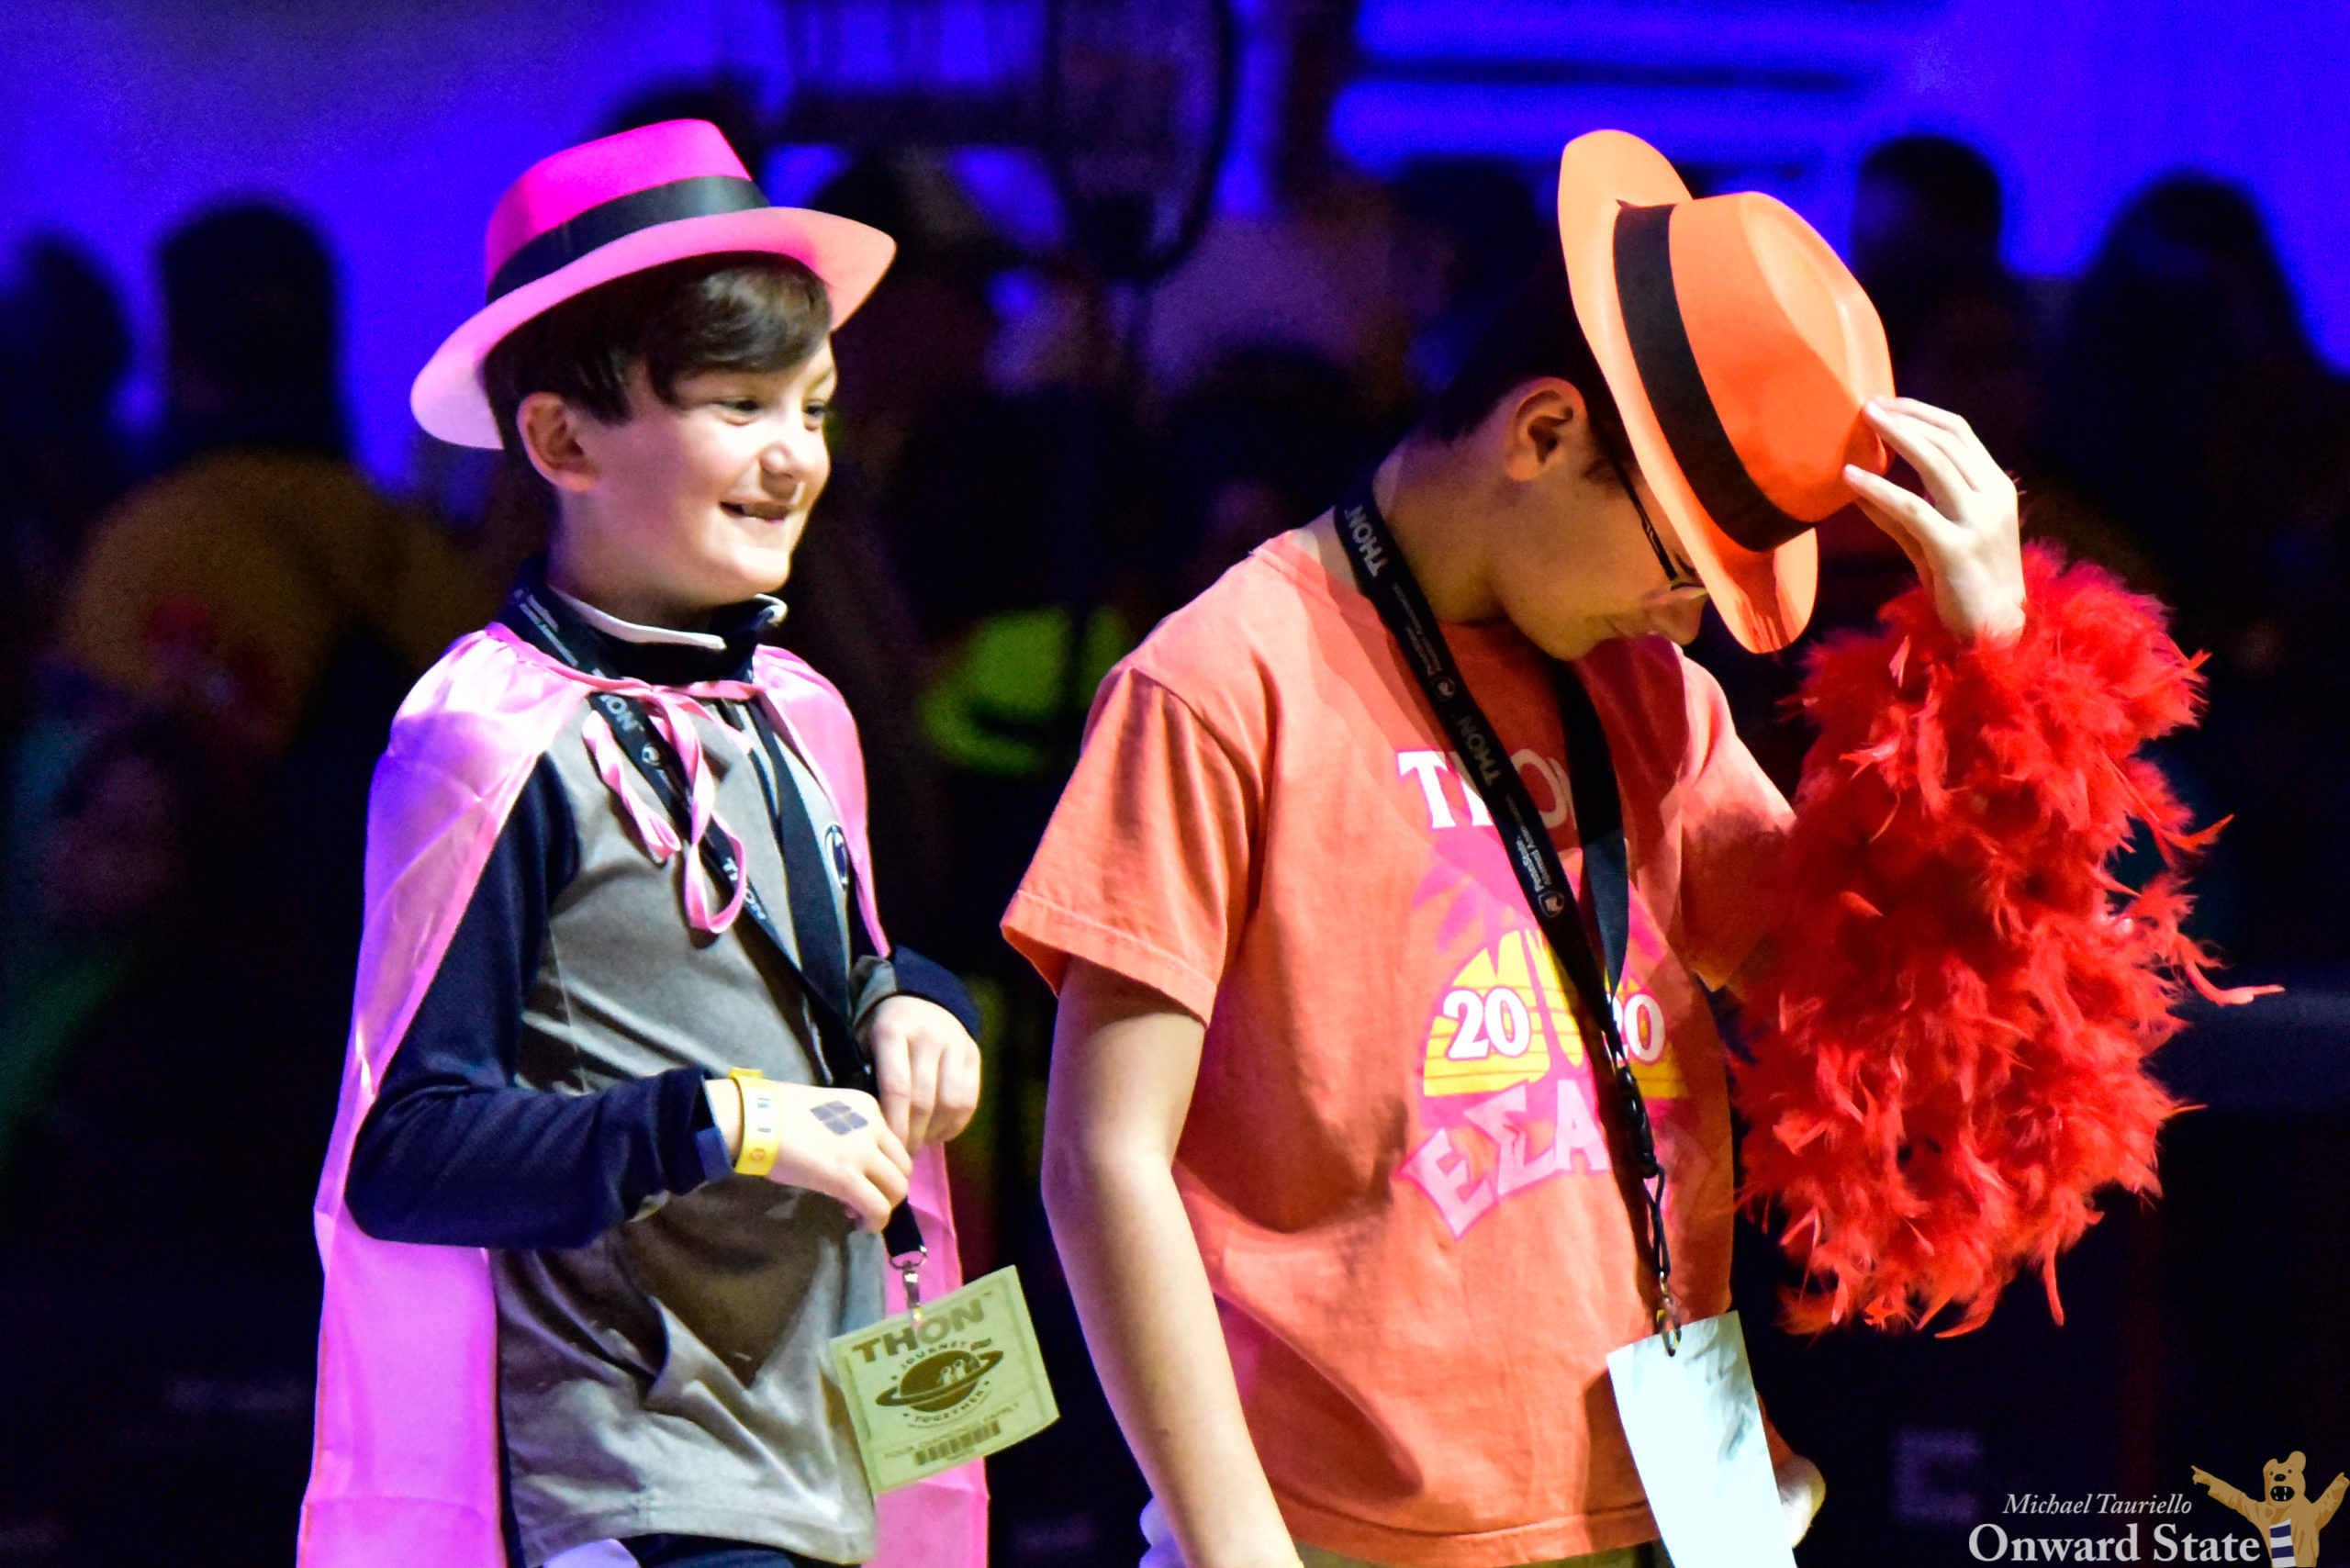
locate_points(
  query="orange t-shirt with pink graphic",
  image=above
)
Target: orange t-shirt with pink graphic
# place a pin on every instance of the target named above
(1395, 1163)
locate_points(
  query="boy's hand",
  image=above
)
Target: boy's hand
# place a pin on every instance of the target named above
(1963, 534)
(1801, 1489)
(928, 1067)
(834, 1141)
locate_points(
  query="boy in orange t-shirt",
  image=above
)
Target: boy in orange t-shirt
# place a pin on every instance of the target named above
(1325, 1153)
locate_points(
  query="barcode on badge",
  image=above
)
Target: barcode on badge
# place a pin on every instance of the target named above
(962, 1442)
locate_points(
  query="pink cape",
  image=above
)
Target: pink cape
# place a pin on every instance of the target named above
(404, 1459)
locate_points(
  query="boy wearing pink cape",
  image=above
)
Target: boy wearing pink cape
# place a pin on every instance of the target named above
(635, 1083)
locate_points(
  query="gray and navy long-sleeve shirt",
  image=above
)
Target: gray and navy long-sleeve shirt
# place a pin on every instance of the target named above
(661, 1322)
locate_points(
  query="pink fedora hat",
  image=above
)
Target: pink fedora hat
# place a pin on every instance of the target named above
(607, 208)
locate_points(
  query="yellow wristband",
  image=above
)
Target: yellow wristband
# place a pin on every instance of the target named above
(762, 1121)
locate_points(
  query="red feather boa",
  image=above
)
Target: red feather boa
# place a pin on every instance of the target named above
(1949, 1050)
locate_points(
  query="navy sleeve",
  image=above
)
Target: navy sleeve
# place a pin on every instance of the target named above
(453, 1152)
(907, 973)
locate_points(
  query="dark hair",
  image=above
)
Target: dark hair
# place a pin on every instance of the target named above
(2183, 324)
(1533, 335)
(917, 199)
(737, 311)
(248, 295)
(1951, 180)
(249, 306)
(62, 322)
(1909, 299)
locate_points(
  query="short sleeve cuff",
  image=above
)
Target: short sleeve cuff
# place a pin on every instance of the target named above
(1049, 936)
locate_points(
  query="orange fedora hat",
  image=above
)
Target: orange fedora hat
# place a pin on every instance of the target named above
(1739, 349)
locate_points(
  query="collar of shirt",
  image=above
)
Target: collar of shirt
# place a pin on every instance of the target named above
(660, 655)
(759, 614)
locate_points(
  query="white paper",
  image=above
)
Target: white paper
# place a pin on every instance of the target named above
(1696, 1435)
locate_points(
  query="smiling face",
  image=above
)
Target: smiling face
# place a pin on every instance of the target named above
(689, 503)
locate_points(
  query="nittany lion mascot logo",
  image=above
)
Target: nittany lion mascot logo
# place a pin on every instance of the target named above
(2287, 1521)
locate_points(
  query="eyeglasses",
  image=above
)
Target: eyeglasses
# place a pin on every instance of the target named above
(1680, 579)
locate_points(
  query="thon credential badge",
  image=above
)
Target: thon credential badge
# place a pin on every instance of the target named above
(953, 1379)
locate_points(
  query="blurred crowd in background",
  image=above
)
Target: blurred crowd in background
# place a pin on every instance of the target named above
(206, 624)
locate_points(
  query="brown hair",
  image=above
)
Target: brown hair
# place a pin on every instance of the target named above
(737, 310)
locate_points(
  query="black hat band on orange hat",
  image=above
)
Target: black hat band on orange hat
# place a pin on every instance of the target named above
(1676, 389)
(699, 196)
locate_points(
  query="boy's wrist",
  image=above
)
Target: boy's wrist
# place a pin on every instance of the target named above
(724, 1099)
(910, 974)
(759, 1118)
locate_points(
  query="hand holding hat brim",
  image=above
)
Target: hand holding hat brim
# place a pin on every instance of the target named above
(1963, 535)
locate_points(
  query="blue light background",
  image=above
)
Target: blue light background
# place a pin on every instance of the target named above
(395, 123)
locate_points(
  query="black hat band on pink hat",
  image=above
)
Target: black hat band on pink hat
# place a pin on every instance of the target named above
(699, 195)
(616, 206)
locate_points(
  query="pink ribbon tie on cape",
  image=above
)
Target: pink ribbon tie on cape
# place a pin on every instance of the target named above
(674, 715)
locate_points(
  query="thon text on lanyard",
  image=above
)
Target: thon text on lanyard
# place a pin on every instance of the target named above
(1387, 581)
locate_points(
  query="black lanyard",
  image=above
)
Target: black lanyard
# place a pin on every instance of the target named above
(1386, 580)
(816, 958)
